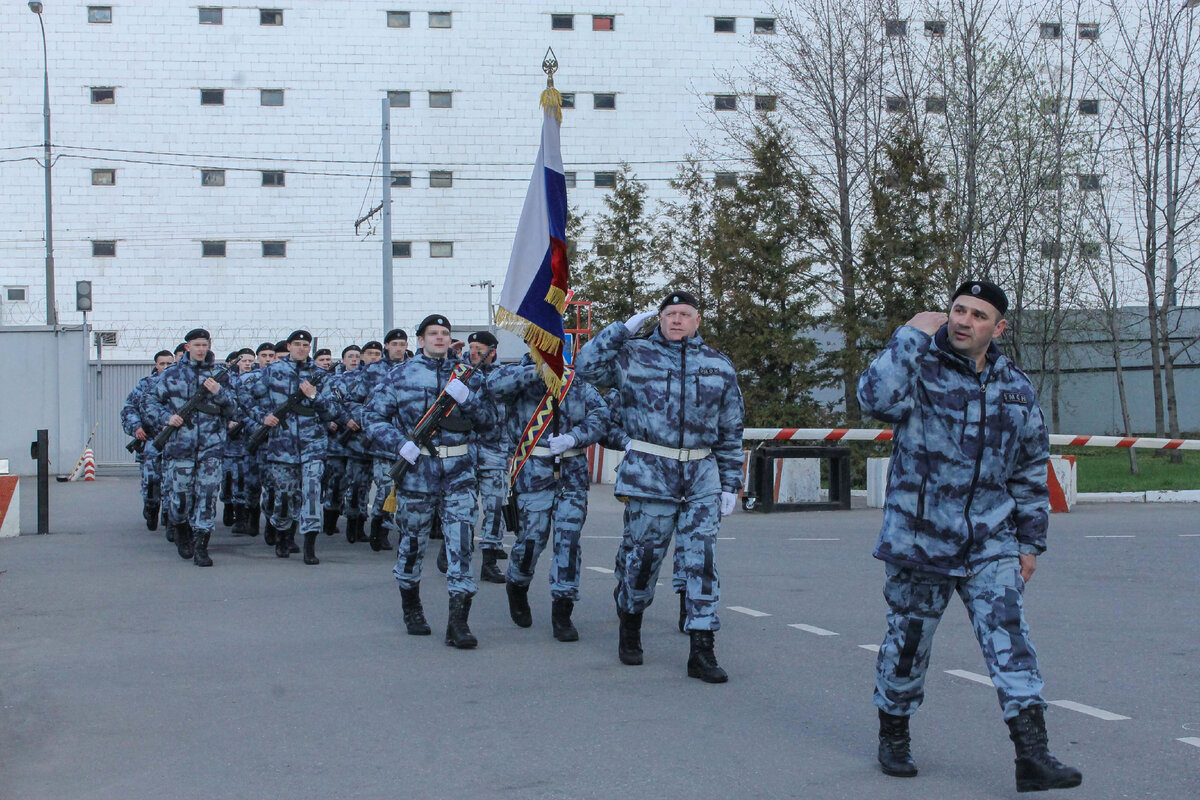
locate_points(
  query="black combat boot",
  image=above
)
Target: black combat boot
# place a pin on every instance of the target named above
(384, 543)
(457, 633)
(560, 620)
(241, 520)
(376, 533)
(351, 530)
(227, 515)
(310, 549)
(291, 537)
(1037, 769)
(414, 614)
(330, 522)
(500, 554)
(183, 540)
(270, 535)
(166, 523)
(894, 755)
(200, 549)
(488, 570)
(253, 517)
(150, 512)
(280, 539)
(702, 661)
(443, 563)
(629, 647)
(682, 611)
(518, 604)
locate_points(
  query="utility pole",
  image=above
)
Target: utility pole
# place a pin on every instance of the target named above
(491, 311)
(387, 214)
(51, 311)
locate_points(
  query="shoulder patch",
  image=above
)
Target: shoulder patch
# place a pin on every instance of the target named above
(1015, 397)
(709, 371)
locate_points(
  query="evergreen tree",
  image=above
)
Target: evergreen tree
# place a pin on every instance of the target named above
(688, 237)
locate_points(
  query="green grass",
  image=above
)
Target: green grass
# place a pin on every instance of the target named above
(1106, 469)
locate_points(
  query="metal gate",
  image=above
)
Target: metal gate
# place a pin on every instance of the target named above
(109, 383)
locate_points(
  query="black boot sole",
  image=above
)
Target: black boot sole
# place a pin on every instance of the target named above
(895, 773)
(697, 672)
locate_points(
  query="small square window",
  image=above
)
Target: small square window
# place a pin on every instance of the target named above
(212, 249)
(605, 101)
(272, 177)
(1050, 105)
(1051, 30)
(725, 180)
(724, 24)
(603, 22)
(399, 19)
(211, 16)
(401, 179)
(399, 99)
(212, 177)
(441, 179)
(606, 250)
(16, 294)
(441, 99)
(103, 95)
(1089, 182)
(935, 104)
(568, 99)
(1050, 183)
(104, 177)
(401, 249)
(604, 180)
(270, 16)
(764, 24)
(896, 104)
(440, 19)
(100, 14)
(104, 248)
(271, 97)
(441, 249)
(765, 102)
(895, 28)
(1089, 107)
(212, 97)
(1089, 31)
(1051, 250)
(570, 179)
(935, 28)
(274, 249)
(562, 22)
(725, 102)
(1090, 250)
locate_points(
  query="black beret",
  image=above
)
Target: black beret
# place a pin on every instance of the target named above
(484, 337)
(394, 334)
(233, 356)
(299, 336)
(162, 353)
(986, 291)
(245, 351)
(432, 319)
(350, 347)
(265, 347)
(373, 345)
(179, 348)
(281, 346)
(196, 333)
(679, 298)
(324, 351)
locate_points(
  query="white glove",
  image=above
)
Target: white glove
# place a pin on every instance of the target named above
(560, 444)
(728, 501)
(409, 452)
(635, 323)
(458, 390)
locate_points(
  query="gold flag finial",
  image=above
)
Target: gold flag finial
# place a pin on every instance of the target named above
(551, 98)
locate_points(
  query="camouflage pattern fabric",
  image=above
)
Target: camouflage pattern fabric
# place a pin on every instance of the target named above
(303, 435)
(332, 480)
(152, 476)
(381, 476)
(297, 495)
(356, 390)
(493, 489)
(251, 481)
(561, 512)
(414, 516)
(192, 497)
(356, 488)
(206, 435)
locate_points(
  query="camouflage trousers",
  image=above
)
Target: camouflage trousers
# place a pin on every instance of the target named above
(233, 479)
(649, 525)
(381, 476)
(251, 480)
(916, 601)
(356, 488)
(267, 493)
(414, 519)
(331, 483)
(493, 485)
(297, 495)
(152, 477)
(563, 513)
(192, 489)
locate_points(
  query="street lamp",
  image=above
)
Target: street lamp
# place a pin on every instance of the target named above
(51, 313)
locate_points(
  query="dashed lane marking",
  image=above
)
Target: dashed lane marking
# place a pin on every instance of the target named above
(590, 536)
(970, 676)
(801, 539)
(1111, 536)
(604, 570)
(1091, 711)
(874, 648)
(1188, 536)
(749, 612)
(1194, 741)
(800, 626)
(726, 538)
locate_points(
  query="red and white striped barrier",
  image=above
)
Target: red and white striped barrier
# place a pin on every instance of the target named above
(10, 505)
(885, 435)
(89, 465)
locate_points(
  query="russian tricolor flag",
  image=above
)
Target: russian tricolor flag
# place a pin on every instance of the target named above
(535, 289)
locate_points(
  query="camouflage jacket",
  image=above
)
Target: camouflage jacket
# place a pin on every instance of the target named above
(205, 436)
(396, 406)
(132, 413)
(491, 448)
(583, 414)
(235, 442)
(357, 391)
(671, 394)
(303, 435)
(967, 481)
(340, 384)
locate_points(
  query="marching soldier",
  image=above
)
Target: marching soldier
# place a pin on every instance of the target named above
(136, 423)
(349, 457)
(235, 448)
(682, 468)
(252, 468)
(192, 456)
(324, 359)
(551, 486)
(442, 480)
(490, 450)
(231, 452)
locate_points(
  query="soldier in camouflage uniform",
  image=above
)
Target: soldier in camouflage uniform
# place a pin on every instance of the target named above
(348, 458)
(233, 479)
(966, 512)
(192, 456)
(136, 423)
(252, 467)
(681, 407)
(295, 449)
(490, 450)
(442, 478)
(547, 504)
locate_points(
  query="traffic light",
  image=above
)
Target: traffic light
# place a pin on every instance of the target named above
(83, 295)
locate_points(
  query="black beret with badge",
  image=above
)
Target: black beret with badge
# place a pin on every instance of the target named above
(679, 298)
(395, 334)
(483, 337)
(265, 347)
(299, 336)
(350, 347)
(373, 345)
(986, 291)
(432, 319)
(196, 333)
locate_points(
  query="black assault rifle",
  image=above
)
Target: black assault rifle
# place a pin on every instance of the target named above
(293, 401)
(190, 408)
(136, 445)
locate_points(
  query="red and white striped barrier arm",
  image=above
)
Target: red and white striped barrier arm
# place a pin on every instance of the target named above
(876, 435)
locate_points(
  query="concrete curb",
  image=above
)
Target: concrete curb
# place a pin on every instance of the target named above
(1182, 496)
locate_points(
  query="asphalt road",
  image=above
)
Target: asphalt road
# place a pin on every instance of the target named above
(126, 672)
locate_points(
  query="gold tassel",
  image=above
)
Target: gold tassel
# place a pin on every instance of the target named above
(533, 335)
(557, 298)
(552, 101)
(389, 504)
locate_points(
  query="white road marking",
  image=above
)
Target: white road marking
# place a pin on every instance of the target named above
(1194, 741)
(605, 570)
(800, 626)
(1188, 536)
(1091, 711)
(874, 648)
(589, 536)
(750, 612)
(799, 539)
(726, 538)
(1115, 536)
(970, 676)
